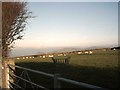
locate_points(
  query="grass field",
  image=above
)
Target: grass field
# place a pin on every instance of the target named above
(100, 68)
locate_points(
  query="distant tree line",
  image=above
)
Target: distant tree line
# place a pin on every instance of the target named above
(115, 48)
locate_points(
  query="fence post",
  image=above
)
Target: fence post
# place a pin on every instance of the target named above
(56, 81)
(5, 76)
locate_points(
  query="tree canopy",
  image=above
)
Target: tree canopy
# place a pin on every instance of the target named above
(14, 20)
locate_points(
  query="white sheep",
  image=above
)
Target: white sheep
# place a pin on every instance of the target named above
(90, 52)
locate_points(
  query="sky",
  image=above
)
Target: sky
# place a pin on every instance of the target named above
(69, 24)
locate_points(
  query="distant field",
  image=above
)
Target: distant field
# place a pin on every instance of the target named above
(97, 59)
(100, 68)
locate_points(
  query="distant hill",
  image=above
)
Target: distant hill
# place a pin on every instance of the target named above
(66, 49)
(37, 51)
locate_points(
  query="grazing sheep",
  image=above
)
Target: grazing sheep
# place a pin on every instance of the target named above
(90, 52)
(50, 55)
(26, 57)
(18, 58)
(86, 52)
(79, 53)
(43, 56)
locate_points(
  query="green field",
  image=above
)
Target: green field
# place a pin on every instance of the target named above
(100, 68)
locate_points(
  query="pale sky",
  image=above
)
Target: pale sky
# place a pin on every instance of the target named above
(71, 24)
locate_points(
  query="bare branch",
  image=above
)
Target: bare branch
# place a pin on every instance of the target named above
(14, 20)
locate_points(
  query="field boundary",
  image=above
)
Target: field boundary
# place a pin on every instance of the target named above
(56, 77)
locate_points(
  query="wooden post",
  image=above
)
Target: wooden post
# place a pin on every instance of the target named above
(0, 44)
(4, 74)
(7, 75)
(56, 81)
(0, 73)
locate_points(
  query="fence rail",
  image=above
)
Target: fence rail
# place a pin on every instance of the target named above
(57, 79)
(31, 82)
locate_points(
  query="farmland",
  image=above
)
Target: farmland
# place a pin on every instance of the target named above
(99, 68)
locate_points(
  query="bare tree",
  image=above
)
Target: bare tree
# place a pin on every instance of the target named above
(14, 16)
(14, 20)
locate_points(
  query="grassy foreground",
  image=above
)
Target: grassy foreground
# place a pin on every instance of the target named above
(100, 68)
